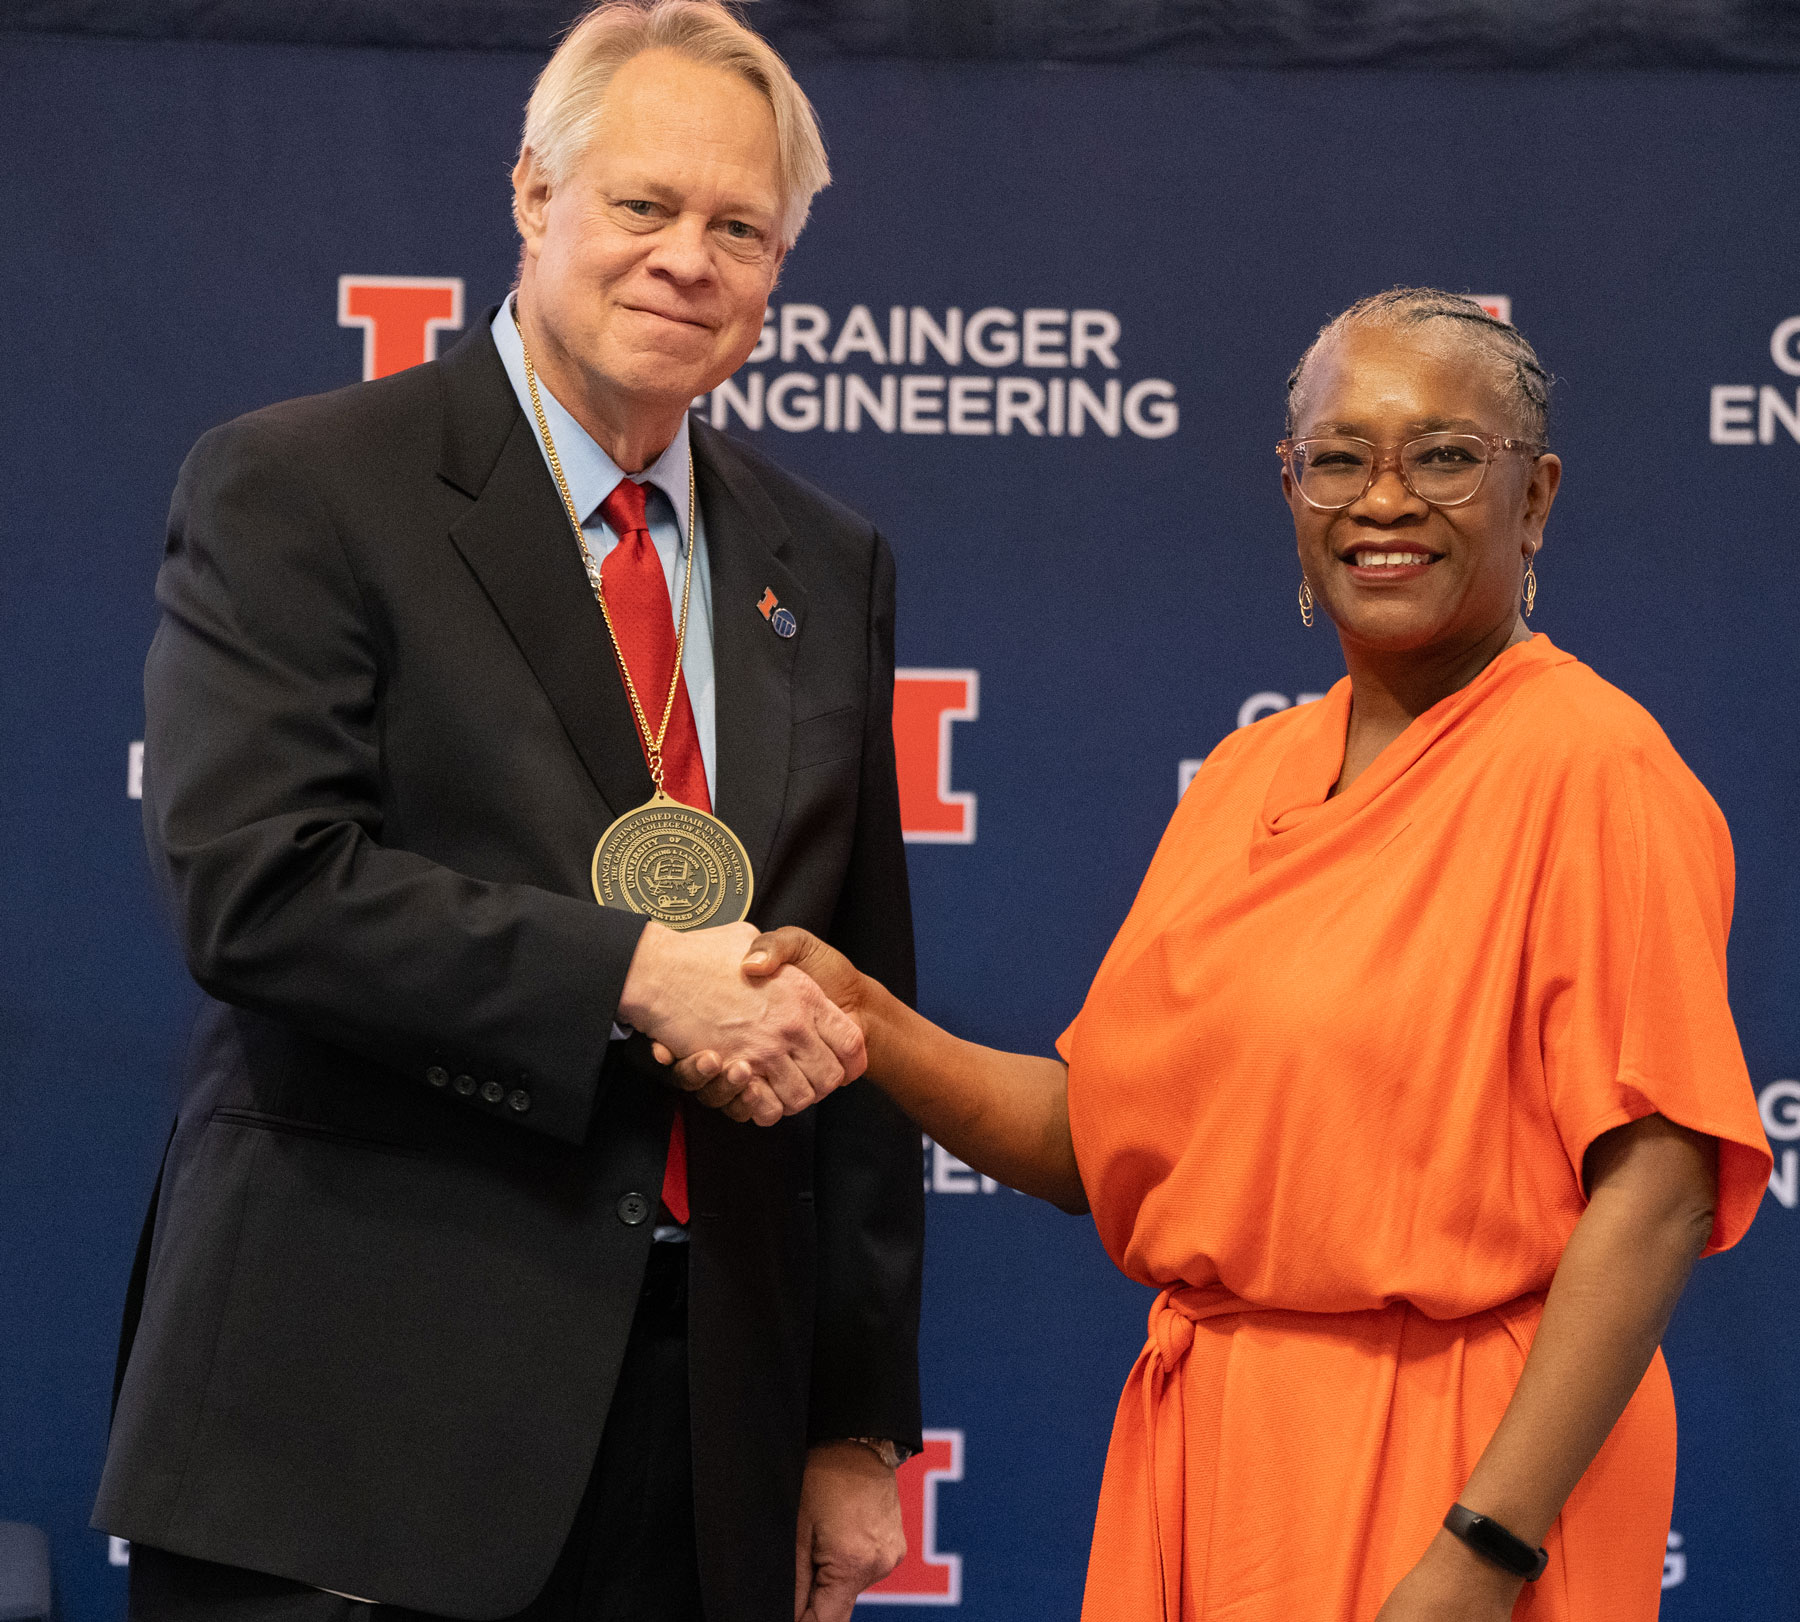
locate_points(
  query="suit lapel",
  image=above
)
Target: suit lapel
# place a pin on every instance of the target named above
(746, 542)
(516, 540)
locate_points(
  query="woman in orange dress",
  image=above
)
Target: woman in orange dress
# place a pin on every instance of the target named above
(1410, 1079)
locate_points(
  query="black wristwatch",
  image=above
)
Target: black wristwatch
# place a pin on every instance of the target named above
(1494, 1543)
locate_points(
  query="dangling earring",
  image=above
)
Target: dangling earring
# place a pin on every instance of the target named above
(1530, 588)
(1306, 604)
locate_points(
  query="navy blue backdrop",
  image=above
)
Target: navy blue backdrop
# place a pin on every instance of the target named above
(178, 217)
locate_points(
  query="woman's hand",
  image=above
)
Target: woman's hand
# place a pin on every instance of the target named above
(737, 1090)
(1452, 1583)
(826, 966)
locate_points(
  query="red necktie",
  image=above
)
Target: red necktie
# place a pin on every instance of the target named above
(637, 598)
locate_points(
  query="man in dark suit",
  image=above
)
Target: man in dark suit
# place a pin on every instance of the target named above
(411, 1324)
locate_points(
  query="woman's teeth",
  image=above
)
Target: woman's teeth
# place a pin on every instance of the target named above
(1390, 560)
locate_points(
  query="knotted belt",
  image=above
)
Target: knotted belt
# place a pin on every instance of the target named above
(1158, 1375)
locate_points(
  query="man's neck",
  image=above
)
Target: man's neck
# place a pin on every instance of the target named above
(631, 432)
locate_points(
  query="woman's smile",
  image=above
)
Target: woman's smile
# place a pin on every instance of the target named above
(1385, 563)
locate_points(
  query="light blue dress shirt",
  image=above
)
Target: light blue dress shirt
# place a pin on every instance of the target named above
(592, 475)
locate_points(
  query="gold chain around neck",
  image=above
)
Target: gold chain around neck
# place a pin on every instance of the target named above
(653, 745)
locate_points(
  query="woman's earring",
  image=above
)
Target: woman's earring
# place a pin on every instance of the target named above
(1530, 588)
(1306, 604)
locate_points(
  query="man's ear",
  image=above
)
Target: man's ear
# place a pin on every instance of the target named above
(531, 199)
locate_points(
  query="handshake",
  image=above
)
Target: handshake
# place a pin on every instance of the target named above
(764, 1026)
(758, 1026)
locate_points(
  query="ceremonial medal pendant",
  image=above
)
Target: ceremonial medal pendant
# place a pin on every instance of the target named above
(674, 863)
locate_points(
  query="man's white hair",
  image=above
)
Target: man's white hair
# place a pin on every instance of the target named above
(565, 102)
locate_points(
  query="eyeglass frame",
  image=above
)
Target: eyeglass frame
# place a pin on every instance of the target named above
(1382, 455)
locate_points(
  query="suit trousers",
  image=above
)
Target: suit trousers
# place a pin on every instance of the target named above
(629, 1557)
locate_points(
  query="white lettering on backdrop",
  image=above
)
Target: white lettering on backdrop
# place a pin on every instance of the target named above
(908, 371)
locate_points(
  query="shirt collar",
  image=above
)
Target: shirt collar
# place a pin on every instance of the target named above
(590, 472)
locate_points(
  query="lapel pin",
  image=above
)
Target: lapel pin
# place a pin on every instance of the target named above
(781, 620)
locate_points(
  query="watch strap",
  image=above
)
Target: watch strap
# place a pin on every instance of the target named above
(890, 1453)
(1489, 1539)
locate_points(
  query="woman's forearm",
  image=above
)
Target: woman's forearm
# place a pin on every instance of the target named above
(1005, 1114)
(1649, 1214)
(1651, 1190)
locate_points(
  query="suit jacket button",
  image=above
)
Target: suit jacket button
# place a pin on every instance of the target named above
(438, 1076)
(518, 1100)
(464, 1085)
(492, 1092)
(634, 1210)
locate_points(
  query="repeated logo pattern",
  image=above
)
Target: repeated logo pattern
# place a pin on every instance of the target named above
(401, 317)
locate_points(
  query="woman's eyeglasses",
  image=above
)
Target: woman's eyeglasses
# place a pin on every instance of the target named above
(1334, 471)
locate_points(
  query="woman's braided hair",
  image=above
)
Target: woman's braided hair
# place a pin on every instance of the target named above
(1524, 384)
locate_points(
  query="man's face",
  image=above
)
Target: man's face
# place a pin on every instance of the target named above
(650, 266)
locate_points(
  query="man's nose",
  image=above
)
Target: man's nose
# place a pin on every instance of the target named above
(683, 252)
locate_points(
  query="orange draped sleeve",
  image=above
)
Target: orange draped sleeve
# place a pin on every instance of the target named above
(1331, 1090)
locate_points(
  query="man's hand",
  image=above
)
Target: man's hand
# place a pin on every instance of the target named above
(849, 1533)
(733, 1085)
(689, 993)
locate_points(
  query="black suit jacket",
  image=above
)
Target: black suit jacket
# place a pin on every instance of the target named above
(382, 1318)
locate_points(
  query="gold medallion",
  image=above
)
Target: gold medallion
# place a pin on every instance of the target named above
(674, 863)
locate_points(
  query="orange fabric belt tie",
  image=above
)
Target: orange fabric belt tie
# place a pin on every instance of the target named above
(1158, 1375)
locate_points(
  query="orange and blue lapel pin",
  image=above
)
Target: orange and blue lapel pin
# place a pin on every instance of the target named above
(781, 620)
